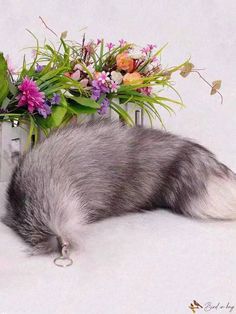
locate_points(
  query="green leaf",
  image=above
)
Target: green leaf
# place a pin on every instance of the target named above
(42, 123)
(31, 131)
(59, 83)
(11, 114)
(68, 116)
(57, 115)
(160, 50)
(5, 103)
(49, 82)
(48, 47)
(56, 88)
(24, 68)
(122, 113)
(100, 100)
(12, 88)
(4, 86)
(66, 51)
(101, 54)
(50, 75)
(31, 69)
(87, 102)
(156, 97)
(125, 91)
(78, 109)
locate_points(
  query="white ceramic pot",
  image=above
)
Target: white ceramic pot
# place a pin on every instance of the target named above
(12, 143)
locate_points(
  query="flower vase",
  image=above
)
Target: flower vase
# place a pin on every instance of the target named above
(134, 112)
(13, 140)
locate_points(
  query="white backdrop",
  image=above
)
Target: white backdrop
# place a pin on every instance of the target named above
(138, 264)
(204, 30)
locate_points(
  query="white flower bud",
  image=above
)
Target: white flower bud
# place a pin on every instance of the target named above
(148, 68)
(136, 54)
(116, 77)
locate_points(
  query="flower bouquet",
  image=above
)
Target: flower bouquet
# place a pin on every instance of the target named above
(73, 79)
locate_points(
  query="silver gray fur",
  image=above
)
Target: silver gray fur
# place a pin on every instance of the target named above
(101, 169)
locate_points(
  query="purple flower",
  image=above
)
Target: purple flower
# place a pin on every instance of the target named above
(33, 53)
(89, 47)
(104, 77)
(122, 42)
(98, 85)
(55, 100)
(104, 106)
(44, 111)
(145, 50)
(96, 93)
(98, 90)
(155, 59)
(95, 84)
(104, 88)
(148, 49)
(151, 46)
(39, 68)
(30, 95)
(99, 41)
(110, 46)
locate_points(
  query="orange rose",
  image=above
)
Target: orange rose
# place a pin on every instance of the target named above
(96, 75)
(132, 78)
(124, 62)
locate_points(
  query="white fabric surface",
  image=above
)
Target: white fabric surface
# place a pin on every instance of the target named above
(138, 264)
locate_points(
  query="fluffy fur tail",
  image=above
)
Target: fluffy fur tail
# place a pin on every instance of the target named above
(219, 200)
(45, 230)
(75, 177)
(65, 225)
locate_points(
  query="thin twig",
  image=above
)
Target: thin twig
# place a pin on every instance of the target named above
(48, 27)
(83, 40)
(221, 96)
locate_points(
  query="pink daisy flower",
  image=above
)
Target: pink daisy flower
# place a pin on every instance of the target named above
(113, 87)
(103, 77)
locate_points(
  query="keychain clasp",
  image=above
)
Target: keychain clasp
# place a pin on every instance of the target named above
(63, 260)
